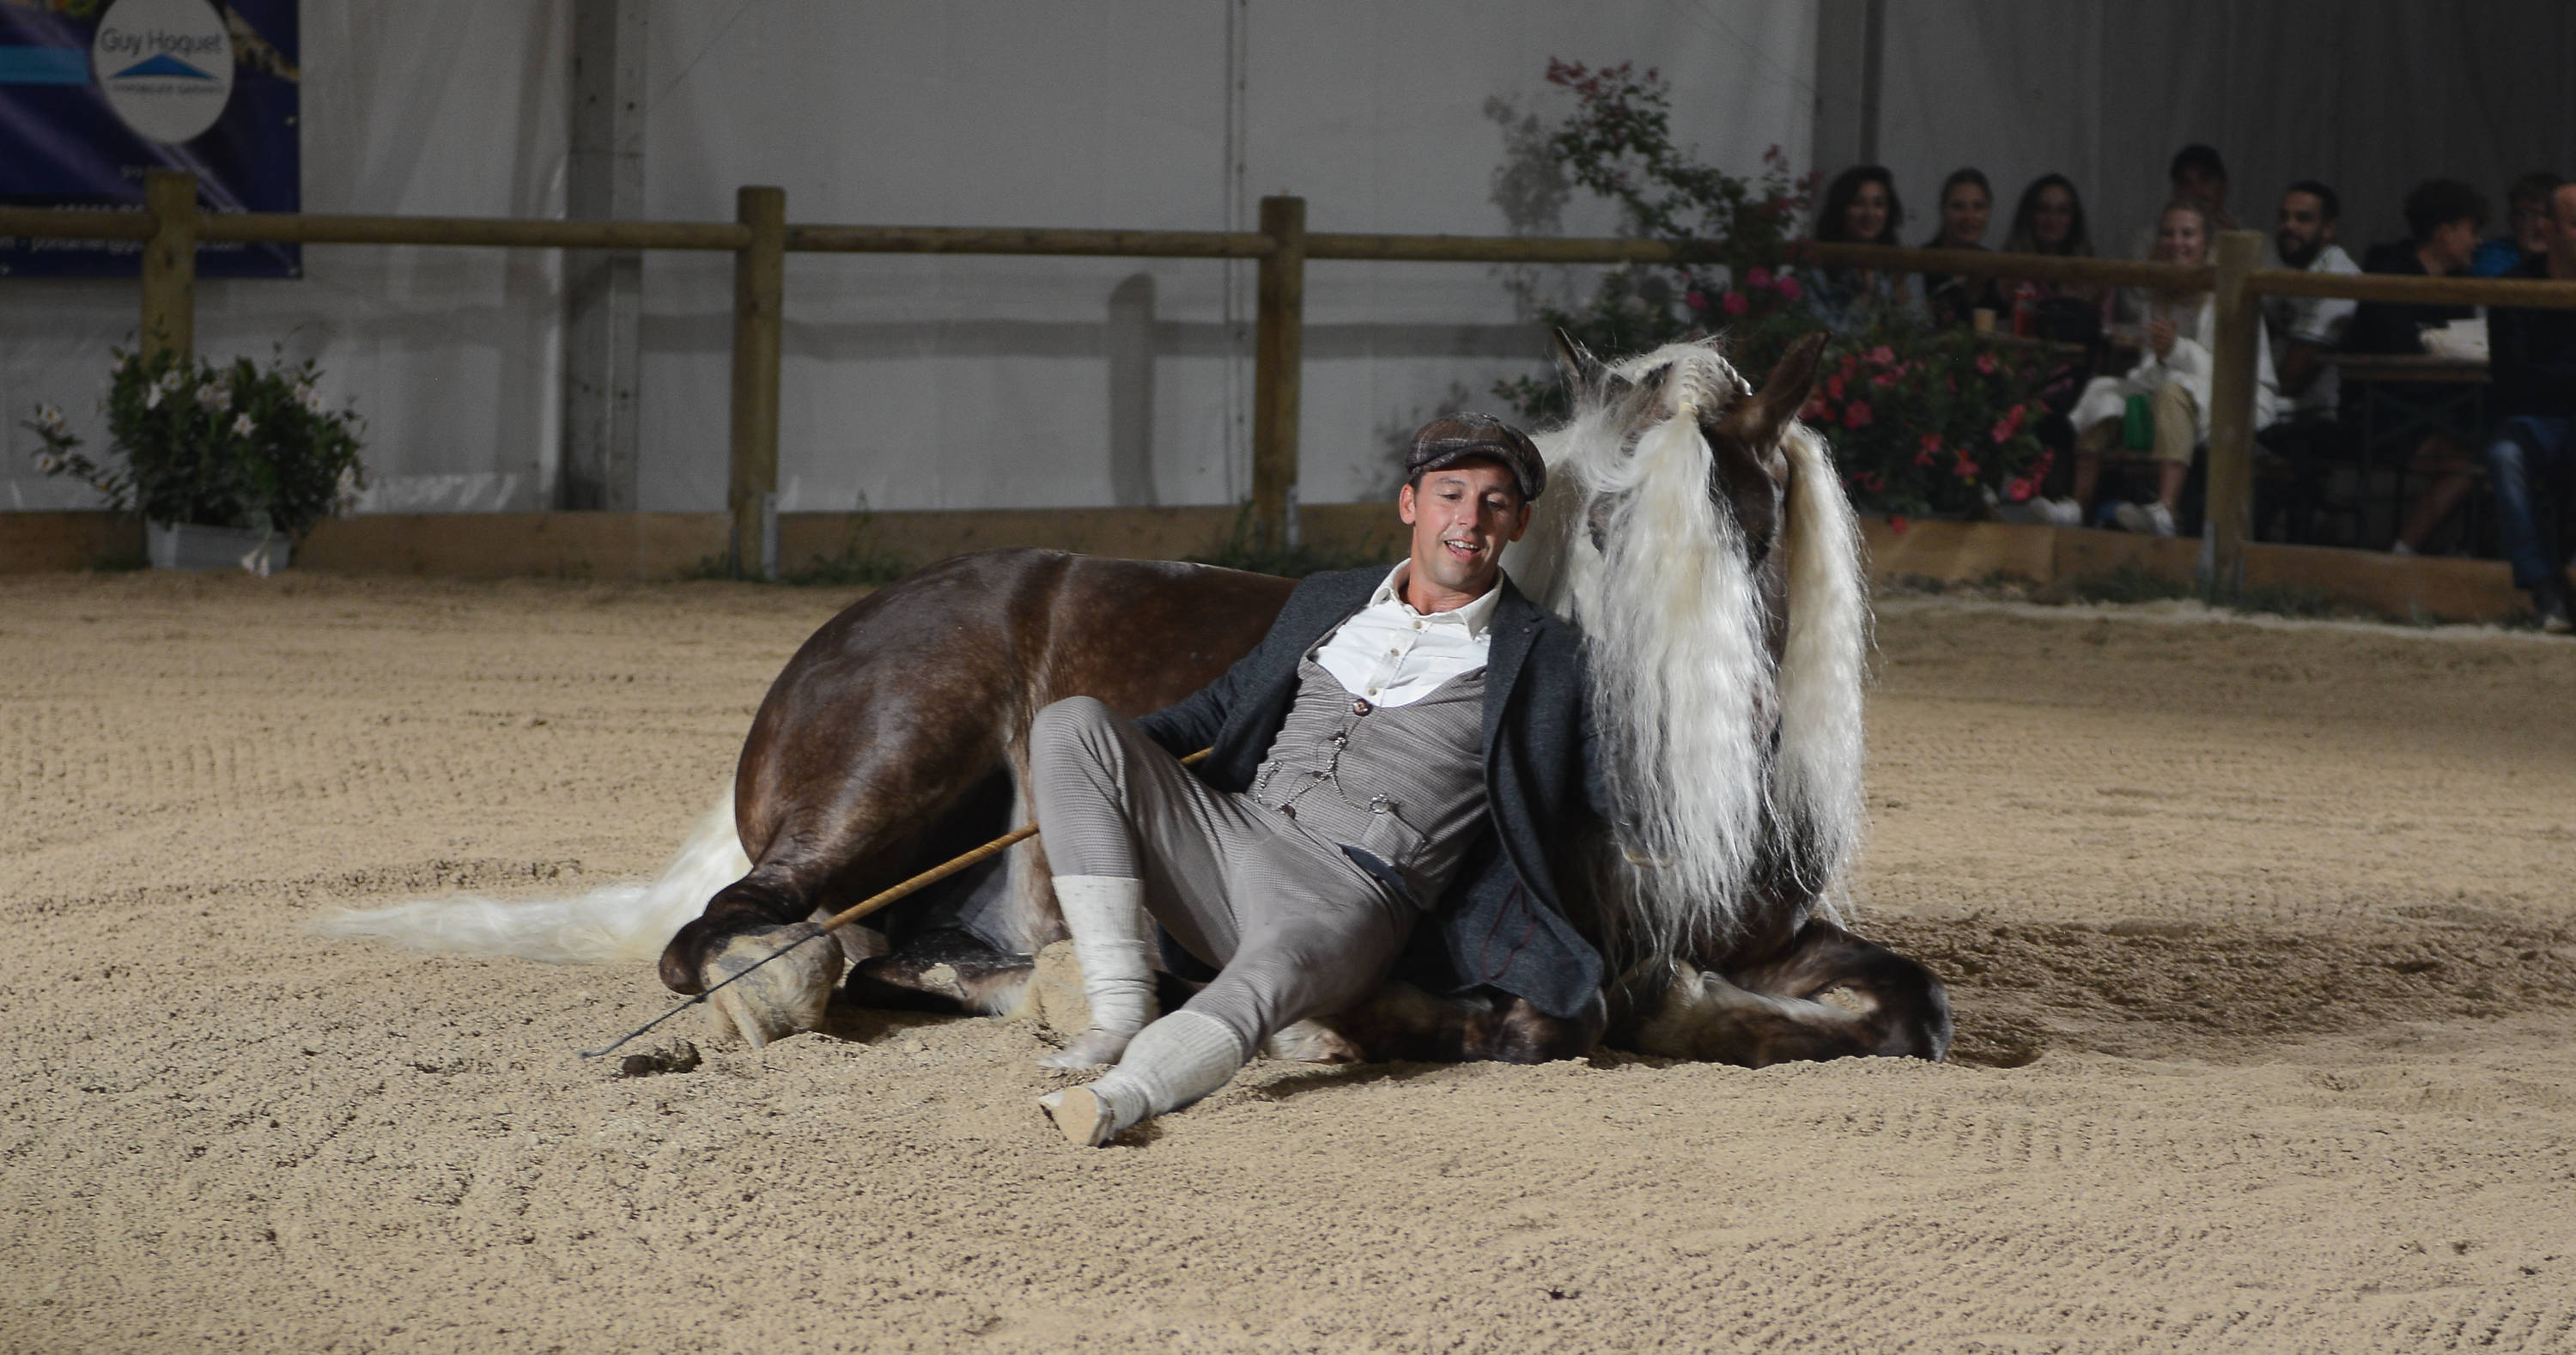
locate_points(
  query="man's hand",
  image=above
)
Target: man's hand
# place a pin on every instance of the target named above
(2300, 366)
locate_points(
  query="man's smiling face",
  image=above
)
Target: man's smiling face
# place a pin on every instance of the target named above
(1462, 516)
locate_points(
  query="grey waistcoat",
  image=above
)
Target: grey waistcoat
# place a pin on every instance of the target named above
(1404, 784)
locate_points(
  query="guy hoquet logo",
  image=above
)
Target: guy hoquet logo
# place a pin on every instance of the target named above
(166, 66)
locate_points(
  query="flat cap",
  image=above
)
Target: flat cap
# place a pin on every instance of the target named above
(1452, 438)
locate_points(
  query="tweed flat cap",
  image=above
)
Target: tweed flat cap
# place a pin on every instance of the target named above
(1452, 438)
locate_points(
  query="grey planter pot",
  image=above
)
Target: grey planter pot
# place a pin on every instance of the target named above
(187, 546)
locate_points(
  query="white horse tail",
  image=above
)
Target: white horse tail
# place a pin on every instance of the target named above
(1822, 667)
(612, 924)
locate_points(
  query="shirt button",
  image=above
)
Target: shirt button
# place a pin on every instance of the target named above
(1361, 707)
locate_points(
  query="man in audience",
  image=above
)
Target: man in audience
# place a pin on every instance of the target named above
(2306, 332)
(2197, 175)
(2526, 227)
(2534, 400)
(2443, 218)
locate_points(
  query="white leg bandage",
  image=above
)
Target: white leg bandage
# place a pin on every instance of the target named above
(1172, 1063)
(1113, 941)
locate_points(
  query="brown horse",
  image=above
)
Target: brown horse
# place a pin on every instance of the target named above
(897, 736)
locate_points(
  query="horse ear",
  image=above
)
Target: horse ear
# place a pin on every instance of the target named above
(1757, 419)
(1577, 364)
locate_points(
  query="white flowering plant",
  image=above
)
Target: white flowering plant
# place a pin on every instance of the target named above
(218, 446)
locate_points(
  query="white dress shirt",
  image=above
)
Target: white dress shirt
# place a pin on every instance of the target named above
(1393, 655)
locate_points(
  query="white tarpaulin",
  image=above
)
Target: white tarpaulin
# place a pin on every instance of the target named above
(964, 382)
(928, 382)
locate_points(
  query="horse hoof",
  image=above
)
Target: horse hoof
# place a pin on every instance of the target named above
(1080, 1116)
(1094, 1048)
(780, 998)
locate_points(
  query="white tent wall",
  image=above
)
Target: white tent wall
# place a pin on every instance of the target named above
(963, 382)
(2370, 96)
(449, 354)
(916, 382)
(1379, 115)
(985, 382)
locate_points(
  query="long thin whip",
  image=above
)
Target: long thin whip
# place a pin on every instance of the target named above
(854, 912)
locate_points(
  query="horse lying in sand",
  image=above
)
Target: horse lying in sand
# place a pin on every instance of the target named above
(1708, 553)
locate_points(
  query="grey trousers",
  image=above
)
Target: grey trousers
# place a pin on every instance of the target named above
(1294, 927)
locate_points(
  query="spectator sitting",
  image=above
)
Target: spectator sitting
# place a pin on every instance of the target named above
(1860, 207)
(2534, 398)
(2050, 220)
(2526, 227)
(1967, 204)
(2306, 332)
(2443, 217)
(2173, 373)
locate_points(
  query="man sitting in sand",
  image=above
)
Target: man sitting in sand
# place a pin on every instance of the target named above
(1398, 744)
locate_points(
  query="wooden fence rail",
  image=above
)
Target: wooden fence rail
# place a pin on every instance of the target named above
(172, 223)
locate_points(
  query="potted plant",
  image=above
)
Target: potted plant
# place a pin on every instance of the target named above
(228, 465)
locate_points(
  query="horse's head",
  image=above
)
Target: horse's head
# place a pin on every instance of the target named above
(1748, 470)
(1712, 562)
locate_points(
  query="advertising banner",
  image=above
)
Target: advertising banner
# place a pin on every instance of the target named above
(94, 93)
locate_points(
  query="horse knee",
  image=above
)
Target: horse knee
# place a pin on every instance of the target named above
(1524, 1034)
(1400, 1021)
(1907, 1007)
(748, 904)
(1835, 996)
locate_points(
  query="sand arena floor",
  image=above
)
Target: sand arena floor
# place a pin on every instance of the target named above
(2262, 940)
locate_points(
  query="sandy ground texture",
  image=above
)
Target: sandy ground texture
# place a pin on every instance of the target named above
(2262, 940)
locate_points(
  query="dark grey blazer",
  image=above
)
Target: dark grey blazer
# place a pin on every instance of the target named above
(1502, 921)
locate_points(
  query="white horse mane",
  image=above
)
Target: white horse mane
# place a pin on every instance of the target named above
(1655, 568)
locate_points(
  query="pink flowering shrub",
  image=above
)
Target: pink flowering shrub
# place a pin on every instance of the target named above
(1736, 232)
(1920, 421)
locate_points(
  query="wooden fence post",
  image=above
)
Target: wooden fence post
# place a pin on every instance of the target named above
(1279, 346)
(2229, 521)
(170, 263)
(759, 282)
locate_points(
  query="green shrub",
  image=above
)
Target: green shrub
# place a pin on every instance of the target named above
(217, 446)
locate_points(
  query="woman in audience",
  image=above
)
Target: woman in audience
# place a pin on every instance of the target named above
(2050, 220)
(1860, 208)
(2172, 375)
(1967, 204)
